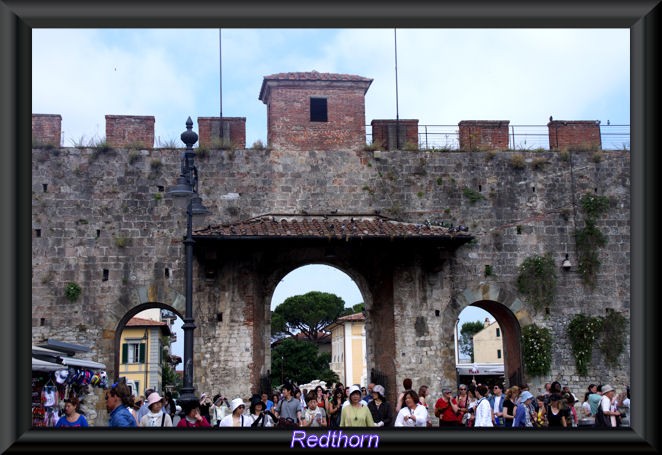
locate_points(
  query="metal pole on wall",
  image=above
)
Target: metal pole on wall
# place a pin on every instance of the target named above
(220, 78)
(397, 110)
(187, 186)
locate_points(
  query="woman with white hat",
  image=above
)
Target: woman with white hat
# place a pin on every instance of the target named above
(236, 419)
(155, 418)
(356, 414)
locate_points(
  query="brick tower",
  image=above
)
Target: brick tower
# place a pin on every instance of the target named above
(315, 111)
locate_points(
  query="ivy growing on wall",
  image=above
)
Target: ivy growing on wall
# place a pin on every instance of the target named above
(608, 331)
(583, 331)
(536, 350)
(537, 280)
(612, 341)
(589, 238)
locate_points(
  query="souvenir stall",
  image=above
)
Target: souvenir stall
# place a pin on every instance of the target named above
(57, 376)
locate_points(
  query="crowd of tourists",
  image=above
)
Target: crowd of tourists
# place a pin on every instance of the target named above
(470, 406)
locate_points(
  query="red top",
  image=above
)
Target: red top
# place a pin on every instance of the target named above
(447, 414)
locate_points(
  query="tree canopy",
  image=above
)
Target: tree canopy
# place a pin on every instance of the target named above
(467, 332)
(306, 314)
(300, 362)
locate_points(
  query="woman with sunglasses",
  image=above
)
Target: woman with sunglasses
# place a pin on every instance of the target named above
(236, 419)
(447, 410)
(118, 398)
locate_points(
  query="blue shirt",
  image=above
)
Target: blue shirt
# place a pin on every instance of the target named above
(121, 417)
(63, 422)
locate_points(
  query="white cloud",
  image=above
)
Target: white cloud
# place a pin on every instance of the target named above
(444, 76)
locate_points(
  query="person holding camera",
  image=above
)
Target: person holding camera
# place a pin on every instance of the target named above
(260, 416)
(219, 409)
(205, 405)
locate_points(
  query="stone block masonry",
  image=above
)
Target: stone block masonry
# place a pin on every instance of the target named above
(113, 213)
(130, 131)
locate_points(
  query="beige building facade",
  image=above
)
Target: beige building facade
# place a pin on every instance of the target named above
(141, 351)
(488, 343)
(348, 349)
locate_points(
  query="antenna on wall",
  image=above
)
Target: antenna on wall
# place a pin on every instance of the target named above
(220, 78)
(397, 111)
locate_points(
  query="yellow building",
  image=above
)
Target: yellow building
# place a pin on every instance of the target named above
(348, 348)
(488, 344)
(141, 354)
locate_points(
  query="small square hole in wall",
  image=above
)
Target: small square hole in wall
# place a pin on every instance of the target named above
(37, 232)
(161, 188)
(167, 272)
(98, 233)
(436, 313)
(219, 317)
(105, 275)
(45, 187)
(42, 321)
(533, 189)
(480, 188)
(547, 310)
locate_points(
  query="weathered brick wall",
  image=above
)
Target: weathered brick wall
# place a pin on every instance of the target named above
(483, 134)
(94, 211)
(290, 128)
(383, 133)
(234, 137)
(130, 130)
(582, 134)
(46, 129)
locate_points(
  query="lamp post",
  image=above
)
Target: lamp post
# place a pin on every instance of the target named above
(187, 186)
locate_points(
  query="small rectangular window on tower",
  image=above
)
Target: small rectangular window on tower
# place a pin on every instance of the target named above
(318, 112)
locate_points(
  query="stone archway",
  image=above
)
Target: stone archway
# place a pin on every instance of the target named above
(510, 314)
(121, 324)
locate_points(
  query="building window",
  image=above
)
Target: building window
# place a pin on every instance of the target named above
(498, 353)
(318, 112)
(498, 332)
(133, 352)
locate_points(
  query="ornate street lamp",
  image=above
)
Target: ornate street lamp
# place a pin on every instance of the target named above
(187, 187)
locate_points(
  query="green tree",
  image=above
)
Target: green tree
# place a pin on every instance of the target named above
(467, 332)
(169, 376)
(306, 314)
(300, 362)
(358, 308)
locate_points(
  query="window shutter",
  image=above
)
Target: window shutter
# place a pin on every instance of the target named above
(142, 353)
(125, 353)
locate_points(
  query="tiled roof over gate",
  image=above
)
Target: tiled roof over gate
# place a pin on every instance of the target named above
(332, 226)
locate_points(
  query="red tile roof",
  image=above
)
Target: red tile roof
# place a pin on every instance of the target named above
(311, 76)
(140, 322)
(315, 76)
(331, 226)
(352, 317)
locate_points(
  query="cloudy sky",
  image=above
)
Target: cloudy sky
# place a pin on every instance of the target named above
(443, 76)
